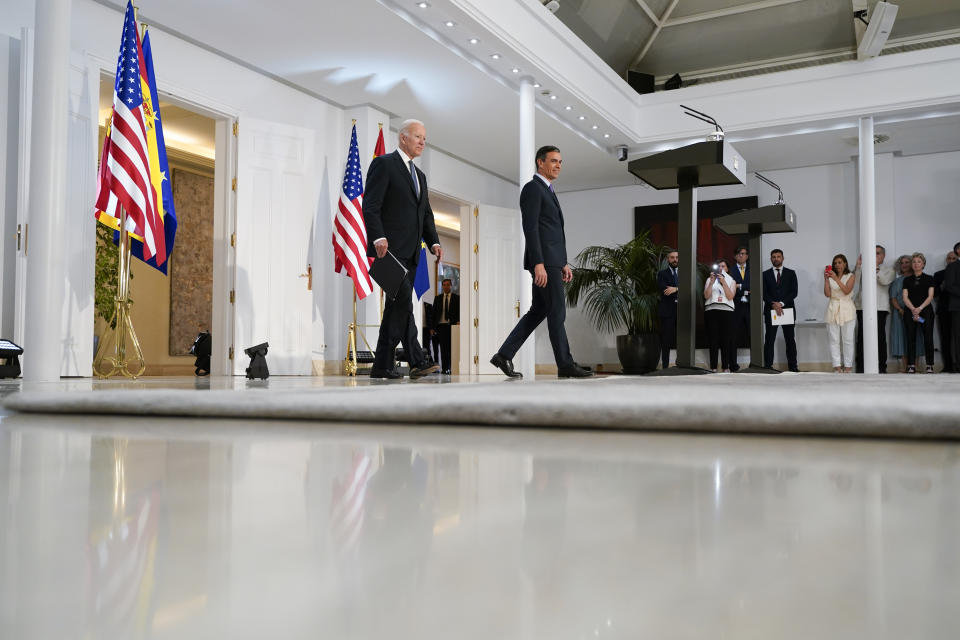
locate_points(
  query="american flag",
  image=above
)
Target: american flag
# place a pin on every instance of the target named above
(349, 231)
(125, 165)
(347, 505)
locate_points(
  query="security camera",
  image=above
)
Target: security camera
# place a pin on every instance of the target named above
(551, 5)
(622, 152)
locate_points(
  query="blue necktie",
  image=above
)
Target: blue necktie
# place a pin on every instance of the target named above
(416, 182)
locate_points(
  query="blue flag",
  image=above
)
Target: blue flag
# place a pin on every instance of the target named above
(166, 193)
(421, 284)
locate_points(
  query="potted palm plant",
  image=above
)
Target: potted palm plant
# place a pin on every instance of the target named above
(618, 288)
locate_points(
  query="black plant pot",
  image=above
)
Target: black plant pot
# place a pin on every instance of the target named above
(639, 353)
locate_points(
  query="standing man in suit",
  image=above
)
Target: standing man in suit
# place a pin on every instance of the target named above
(741, 303)
(398, 216)
(545, 256)
(667, 306)
(446, 313)
(779, 292)
(944, 317)
(951, 284)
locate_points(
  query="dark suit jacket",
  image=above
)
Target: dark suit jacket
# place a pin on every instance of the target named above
(745, 281)
(785, 292)
(951, 284)
(392, 210)
(667, 307)
(453, 313)
(543, 233)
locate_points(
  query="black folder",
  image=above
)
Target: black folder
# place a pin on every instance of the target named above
(388, 272)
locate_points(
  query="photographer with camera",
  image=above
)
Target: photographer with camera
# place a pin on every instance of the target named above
(718, 295)
(841, 316)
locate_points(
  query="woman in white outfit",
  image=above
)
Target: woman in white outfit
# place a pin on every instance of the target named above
(841, 318)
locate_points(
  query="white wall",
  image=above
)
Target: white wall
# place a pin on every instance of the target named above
(917, 210)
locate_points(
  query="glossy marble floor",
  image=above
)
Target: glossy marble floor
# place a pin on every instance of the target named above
(188, 529)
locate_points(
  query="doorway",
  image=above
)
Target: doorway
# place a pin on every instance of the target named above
(170, 309)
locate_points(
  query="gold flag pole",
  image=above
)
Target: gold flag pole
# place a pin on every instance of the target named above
(350, 362)
(112, 358)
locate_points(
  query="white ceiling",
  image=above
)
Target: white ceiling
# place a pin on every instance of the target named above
(362, 52)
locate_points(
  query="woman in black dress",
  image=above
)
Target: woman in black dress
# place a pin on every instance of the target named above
(918, 300)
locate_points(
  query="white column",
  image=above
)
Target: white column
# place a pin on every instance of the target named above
(868, 240)
(43, 336)
(526, 358)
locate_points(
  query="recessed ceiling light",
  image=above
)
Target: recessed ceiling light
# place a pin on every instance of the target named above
(515, 70)
(450, 23)
(595, 127)
(568, 108)
(606, 135)
(553, 97)
(423, 5)
(473, 41)
(536, 85)
(495, 56)
(582, 118)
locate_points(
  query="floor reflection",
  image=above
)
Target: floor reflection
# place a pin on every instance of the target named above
(141, 529)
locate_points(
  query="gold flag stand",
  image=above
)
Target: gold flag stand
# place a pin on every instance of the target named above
(119, 351)
(350, 363)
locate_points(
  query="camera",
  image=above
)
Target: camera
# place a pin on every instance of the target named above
(622, 152)
(828, 270)
(716, 270)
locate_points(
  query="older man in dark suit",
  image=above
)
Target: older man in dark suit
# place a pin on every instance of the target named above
(545, 256)
(398, 216)
(780, 289)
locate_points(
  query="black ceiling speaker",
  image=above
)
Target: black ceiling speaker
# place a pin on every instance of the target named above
(641, 82)
(675, 82)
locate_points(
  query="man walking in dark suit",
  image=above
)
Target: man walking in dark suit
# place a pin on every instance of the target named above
(446, 313)
(741, 303)
(398, 216)
(545, 256)
(667, 306)
(779, 292)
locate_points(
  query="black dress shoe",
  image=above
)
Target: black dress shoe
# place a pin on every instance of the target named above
(574, 371)
(424, 369)
(387, 374)
(505, 365)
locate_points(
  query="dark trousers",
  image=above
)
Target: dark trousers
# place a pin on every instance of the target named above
(720, 336)
(431, 345)
(741, 329)
(945, 323)
(770, 339)
(443, 337)
(398, 327)
(548, 303)
(668, 338)
(910, 329)
(955, 344)
(881, 340)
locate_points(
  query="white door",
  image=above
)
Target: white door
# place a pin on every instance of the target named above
(79, 243)
(23, 183)
(499, 270)
(276, 202)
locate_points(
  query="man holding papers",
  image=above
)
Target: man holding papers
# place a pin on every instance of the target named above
(779, 292)
(397, 214)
